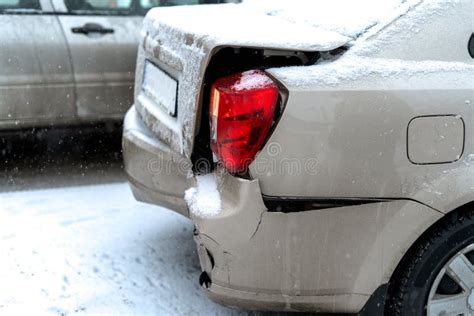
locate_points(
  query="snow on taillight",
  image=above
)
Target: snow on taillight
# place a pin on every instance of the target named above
(241, 112)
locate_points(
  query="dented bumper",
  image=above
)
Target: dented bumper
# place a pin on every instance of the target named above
(328, 260)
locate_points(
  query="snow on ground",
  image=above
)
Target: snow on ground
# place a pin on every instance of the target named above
(93, 249)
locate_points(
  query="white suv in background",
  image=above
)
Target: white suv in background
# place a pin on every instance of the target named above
(69, 61)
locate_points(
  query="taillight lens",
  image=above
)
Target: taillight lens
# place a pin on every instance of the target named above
(241, 113)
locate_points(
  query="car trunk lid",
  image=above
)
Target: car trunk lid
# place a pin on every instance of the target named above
(181, 41)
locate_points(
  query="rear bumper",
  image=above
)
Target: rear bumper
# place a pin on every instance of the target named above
(328, 260)
(157, 174)
(344, 303)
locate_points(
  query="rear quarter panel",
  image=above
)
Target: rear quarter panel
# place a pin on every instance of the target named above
(350, 139)
(343, 132)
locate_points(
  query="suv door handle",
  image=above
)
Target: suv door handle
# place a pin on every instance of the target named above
(91, 28)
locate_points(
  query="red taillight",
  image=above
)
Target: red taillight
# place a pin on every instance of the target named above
(241, 113)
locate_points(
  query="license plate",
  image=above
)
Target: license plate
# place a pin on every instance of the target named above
(160, 87)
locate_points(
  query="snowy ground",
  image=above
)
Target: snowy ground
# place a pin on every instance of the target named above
(74, 241)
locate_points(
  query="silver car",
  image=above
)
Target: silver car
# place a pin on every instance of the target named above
(324, 152)
(69, 61)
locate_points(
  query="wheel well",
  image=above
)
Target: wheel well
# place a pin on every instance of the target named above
(451, 218)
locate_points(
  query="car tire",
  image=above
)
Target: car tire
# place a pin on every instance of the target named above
(425, 274)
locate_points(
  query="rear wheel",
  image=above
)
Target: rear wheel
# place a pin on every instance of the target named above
(436, 278)
(453, 289)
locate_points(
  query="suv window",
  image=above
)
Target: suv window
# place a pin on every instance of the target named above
(123, 7)
(7, 6)
(120, 7)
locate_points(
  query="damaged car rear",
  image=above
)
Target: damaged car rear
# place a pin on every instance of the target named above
(323, 150)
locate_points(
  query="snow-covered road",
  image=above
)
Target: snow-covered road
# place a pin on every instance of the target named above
(73, 240)
(77, 247)
(93, 249)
